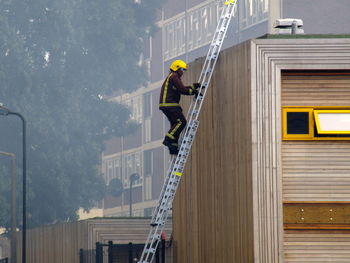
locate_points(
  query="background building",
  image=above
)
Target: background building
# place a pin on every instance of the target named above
(186, 27)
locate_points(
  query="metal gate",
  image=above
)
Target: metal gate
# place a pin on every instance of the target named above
(118, 253)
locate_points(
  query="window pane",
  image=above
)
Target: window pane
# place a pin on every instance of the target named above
(147, 105)
(297, 123)
(332, 122)
(147, 165)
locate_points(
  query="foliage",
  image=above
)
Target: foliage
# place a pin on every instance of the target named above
(115, 187)
(59, 60)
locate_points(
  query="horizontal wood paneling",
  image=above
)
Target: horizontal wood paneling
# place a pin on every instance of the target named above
(311, 89)
(316, 170)
(317, 246)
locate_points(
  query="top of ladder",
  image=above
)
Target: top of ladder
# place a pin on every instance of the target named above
(230, 2)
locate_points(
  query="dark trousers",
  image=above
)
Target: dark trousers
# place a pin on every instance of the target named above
(177, 122)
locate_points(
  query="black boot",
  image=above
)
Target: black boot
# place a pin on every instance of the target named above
(172, 145)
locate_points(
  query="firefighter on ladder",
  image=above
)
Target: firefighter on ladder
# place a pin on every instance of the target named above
(169, 100)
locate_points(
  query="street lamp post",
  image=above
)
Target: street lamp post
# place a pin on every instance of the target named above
(133, 177)
(4, 111)
(13, 205)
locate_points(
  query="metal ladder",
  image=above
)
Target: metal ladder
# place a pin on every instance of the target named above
(177, 163)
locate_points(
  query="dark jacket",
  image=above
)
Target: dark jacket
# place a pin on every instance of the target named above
(172, 89)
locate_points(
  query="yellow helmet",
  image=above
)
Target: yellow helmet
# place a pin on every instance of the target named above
(177, 64)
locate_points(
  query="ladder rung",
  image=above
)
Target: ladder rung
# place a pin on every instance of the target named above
(170, 187)
(151, 250)
(163, 207)
(156, 236)
(188, 138)
(158, 222)
(181, 161)
(185, 148)
(184, 151)
(200, 97)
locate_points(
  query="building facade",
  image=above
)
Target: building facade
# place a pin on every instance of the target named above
(268, 177)
(186, 27)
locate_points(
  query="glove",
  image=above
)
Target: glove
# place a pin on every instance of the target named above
(196, 85)
(196, 93)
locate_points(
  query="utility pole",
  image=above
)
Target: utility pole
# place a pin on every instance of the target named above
(5, 112)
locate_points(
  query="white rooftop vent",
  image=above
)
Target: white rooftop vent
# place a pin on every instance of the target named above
(289, 26)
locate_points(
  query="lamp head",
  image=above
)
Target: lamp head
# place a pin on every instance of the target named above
(134, 177)
(3, 110)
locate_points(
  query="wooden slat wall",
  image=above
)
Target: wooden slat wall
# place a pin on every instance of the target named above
(55, 244)
(213, 214)
(317, 246)
(60, 243)
(316, 89)
(316, 170)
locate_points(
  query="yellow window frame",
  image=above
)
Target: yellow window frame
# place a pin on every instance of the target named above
(318, 124)
(309, 136)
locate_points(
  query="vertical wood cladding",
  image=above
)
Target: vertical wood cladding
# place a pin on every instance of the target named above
(60, 243)
(213, 206)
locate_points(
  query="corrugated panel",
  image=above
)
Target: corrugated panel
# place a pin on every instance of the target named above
(316, 170)
(316, 89)
(317, 246)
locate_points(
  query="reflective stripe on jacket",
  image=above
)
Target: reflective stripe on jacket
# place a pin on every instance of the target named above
(172, 89)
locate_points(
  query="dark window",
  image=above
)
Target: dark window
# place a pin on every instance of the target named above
(297, 123)
(147, 105)
(147, 163)
(148, 211)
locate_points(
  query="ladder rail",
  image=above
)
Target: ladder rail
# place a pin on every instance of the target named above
(177, 164)
(177, 167)
(172, 161)
(213, 47)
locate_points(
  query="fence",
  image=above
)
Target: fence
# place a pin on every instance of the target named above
(121, 253)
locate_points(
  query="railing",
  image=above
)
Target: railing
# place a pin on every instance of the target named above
(123, 253)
